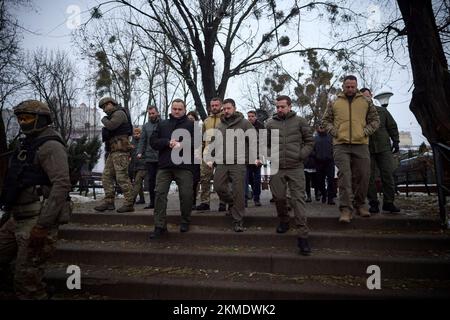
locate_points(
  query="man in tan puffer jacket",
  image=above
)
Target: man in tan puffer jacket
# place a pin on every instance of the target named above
(351, 119)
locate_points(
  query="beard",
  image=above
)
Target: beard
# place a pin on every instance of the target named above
(281, 115)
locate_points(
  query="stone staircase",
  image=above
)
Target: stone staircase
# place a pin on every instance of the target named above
(117, 259)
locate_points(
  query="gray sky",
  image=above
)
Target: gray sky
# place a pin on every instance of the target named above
(50, 23)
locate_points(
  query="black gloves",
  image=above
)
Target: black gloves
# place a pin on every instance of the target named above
(395, 147)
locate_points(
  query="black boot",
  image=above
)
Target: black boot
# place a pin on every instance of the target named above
(303, 246)
(202, 207)
(283, 227)
(158, 232)
(374, 207)
(184, 227)
(390, 207)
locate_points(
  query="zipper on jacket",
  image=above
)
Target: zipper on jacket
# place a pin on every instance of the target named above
(285, 142)
(350, 116)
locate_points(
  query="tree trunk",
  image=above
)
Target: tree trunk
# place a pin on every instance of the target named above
(3, 149)
(431, 95)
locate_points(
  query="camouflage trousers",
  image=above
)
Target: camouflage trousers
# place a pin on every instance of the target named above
(116, 169)
(28, 271)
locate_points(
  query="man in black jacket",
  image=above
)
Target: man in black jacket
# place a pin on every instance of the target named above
(170, 145)
(253, 176)
(323, 151)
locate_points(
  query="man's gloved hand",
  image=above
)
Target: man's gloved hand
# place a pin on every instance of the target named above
(395, 147)
(38, 235)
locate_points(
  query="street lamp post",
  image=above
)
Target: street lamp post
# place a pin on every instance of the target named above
(383, 98)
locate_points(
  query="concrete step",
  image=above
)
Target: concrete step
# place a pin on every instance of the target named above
(188, 283)
(261, 219)
(345, 239)
(287, 261)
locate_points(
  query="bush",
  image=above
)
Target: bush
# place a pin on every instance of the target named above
(83, 154)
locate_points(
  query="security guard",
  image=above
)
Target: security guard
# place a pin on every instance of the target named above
(35, 198)
(115, 133)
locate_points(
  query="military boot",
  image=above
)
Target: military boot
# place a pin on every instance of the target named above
(125, 208)
(346, 215)
(105, 206)
(283, 227)
(374, 207)
(390, 207)
(362, 211)
(303, 245)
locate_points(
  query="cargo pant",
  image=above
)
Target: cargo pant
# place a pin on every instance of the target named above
(138, 189)
(222, 176)
(353, 163)
(29, 263)
(183, 179)
(385, 163)
(206, 175)
(116, 169)
(292, 180)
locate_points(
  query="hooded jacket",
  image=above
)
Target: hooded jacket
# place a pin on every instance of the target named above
(295, 140)
(351, 122)
(236, 124)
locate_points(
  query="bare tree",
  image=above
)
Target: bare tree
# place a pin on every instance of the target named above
(113, 46)
(215, 40)
(421, 28)
(10, 81)
(52, 77)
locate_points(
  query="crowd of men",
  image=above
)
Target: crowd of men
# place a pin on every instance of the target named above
(353, 135)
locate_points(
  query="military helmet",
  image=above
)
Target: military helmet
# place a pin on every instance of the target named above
(105, 100)
(33, 107)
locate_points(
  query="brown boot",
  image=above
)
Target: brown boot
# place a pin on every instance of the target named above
(125, 208)
(346, 215)
(105, 206)
(363, 212)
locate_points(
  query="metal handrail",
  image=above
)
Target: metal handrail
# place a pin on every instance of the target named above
(441, 153)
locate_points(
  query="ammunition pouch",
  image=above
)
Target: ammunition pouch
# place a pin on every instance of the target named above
(120, 143)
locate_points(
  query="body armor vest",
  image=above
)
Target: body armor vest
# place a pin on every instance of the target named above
(22, 172)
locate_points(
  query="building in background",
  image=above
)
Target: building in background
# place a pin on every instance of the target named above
(405, 139)
(85, 121)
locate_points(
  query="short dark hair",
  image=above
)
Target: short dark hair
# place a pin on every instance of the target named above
(229, 100)
(194, 114)
(252, 111)
(362, 90)
(152, 107)
(179, 100)
(350, 77)
(216, 99)
(280, 98)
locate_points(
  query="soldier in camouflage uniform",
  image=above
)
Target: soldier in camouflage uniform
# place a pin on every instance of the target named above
(38, 167)
(115, 133)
